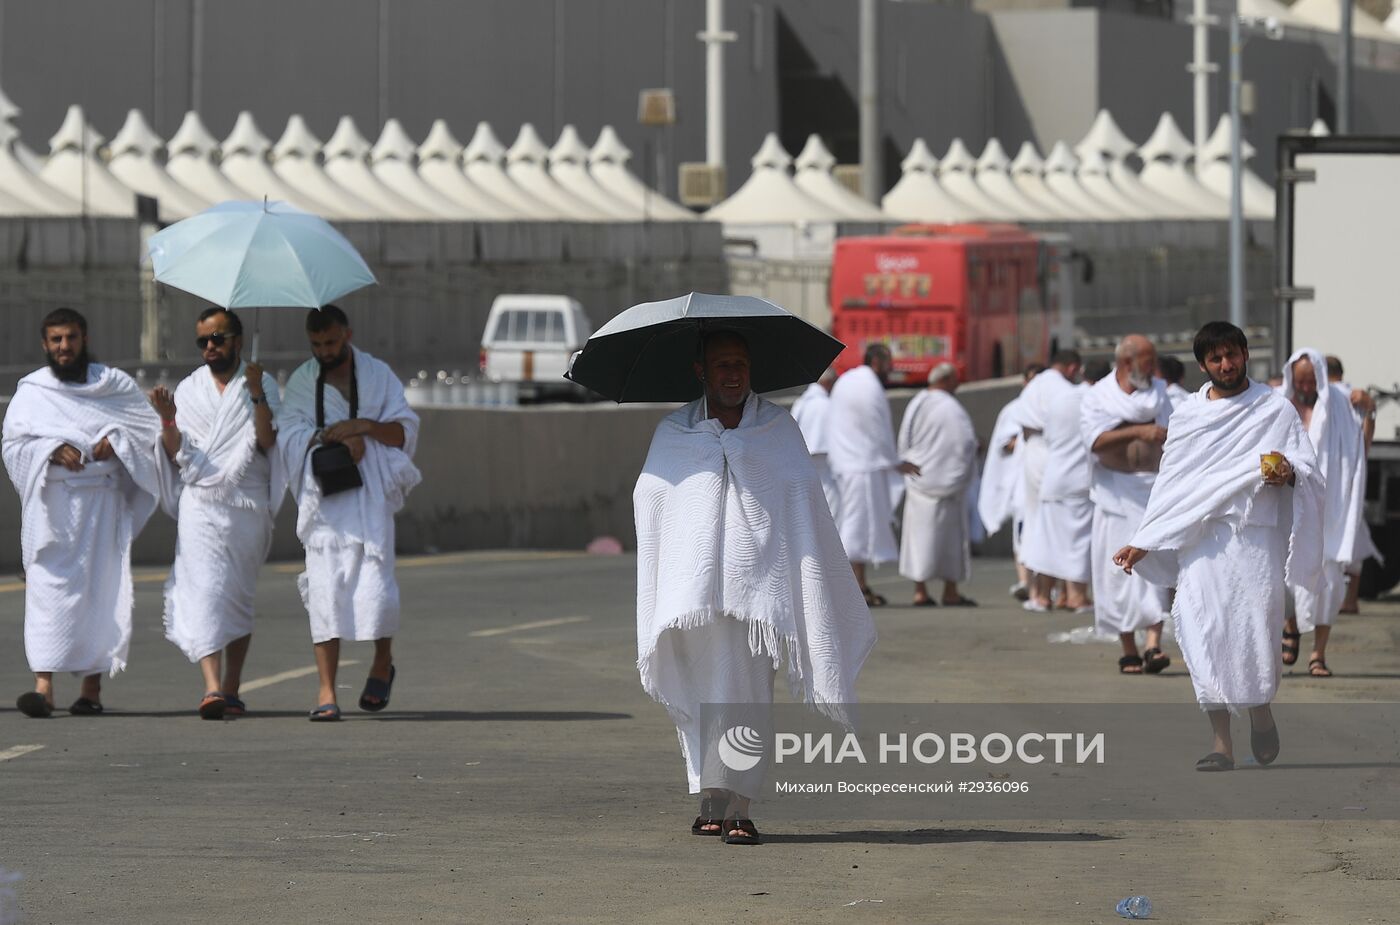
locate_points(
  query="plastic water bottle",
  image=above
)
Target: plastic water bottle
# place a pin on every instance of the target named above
(413, 393)
(1135, 907)
(440, 388)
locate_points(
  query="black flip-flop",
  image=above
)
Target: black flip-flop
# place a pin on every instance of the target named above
(961, 602)
(707, 817)
(1319, 663)
(750, 836)
(33, 705)
(1264, 745)
(1154, 661)
(1215, 761)
(325, 713)
(926, 602)
(1291, 650)
(377, 688)
(85, 707)
(1129, 661)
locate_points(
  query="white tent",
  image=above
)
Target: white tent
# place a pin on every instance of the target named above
(1062, 179)
(391, 161)
(1271, 9)
(607, 164)
(955, 176)
(482, 163)
(346, 153)
(1164, 157)
(192, 164)
(74, 168)
(814, 164)
(1213, 170)
(994, 178)
(440, 166)
(1392, 22)
(1326, 15)
(1094, 176)
(917, 197)
(245, 163)
(133, 161)
(1115, 147)
(20, 182)
(294, 160)
(1028, 174)
(1319, 128)
(568, 166)
(769, 195)
(525, 165)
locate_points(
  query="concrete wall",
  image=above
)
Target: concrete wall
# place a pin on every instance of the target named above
(532, 478)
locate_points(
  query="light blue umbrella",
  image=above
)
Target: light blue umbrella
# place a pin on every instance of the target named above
(258, 255)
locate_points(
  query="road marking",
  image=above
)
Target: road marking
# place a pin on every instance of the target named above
(281, 676)
(17, 751)
(534, 625)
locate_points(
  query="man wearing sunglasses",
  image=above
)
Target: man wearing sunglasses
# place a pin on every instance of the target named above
(223, 482)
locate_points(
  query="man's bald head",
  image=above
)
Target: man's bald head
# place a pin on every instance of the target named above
(1135, 360)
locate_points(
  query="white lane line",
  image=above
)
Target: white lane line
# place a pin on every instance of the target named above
(281, 676)
(17, 751)
(534, 625)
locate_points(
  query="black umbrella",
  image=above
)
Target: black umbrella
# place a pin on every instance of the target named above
(648, 352)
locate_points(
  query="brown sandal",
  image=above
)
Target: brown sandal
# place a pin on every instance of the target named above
(212, 706)
(1317, 668)
(1290, 652)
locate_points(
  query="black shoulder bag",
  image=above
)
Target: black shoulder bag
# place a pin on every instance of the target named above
(331, 463)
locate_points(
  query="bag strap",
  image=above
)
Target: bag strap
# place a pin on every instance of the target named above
(321, 394)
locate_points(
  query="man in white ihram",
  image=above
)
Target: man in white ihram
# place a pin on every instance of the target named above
(810, 411)
(936, 435)
(1235, 513)
(1002, 496)
(1058, 537)
(78, 444)
(223, 481)
(1039, 396)
(861, 449)
(1340, 443)
(1123, 422)
(739, 570)
(348, 588)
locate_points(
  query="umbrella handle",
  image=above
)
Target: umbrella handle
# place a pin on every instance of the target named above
(257, 318)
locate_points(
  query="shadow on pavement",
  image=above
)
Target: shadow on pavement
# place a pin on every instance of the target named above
(420, 716)
(933, 837)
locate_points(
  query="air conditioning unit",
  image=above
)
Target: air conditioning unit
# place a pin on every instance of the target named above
(848, 175)
(701, 184)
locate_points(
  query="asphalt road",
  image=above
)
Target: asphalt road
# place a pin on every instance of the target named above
(521, 775)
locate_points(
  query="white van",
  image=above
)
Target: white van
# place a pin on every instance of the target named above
(529, 339)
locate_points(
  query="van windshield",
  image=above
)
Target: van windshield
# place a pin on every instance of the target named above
(530, 326)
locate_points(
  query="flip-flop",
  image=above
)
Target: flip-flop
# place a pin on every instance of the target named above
(750, 836)
(872, 599)
(927, 602)
(960, 602)
(34, 705)
(1264, 745)
(233, 706)
(213, 706)
(377, 688)
(85, 707)
(1154, 661)
(325, 713)
(707, 817)
(1215, 761)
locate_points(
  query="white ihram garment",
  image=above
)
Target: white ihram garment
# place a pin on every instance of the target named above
(1123, 603)
(740, 570)
(223, 492)
(1039, 396)
(1058, 534)
(937, 436)
(810, 412)
(1340, 444)
(1000, 496)
(77, 527)
(1227, 542)
(861, 451)
(349, 588)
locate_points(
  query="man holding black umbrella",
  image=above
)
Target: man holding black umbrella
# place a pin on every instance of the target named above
(740, 569)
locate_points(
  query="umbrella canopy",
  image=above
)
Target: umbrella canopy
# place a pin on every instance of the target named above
(647, 352)
(258, 255)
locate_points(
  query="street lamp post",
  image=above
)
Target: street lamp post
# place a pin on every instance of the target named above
(1273, 30)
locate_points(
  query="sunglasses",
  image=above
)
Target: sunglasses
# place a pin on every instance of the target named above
(218, 340)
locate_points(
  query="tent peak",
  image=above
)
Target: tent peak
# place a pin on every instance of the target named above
(1028, 160)
(569, 149)
(440, 143)
(919, 159)
(958, 158)
(815, 156)
(484, 146)
(1167, 143)
(993, 158)
(1217, 146)
(297, 141)
(77, 133)
(771, 154)
(136, 136)
(609, 149)
(192, 136)
(528, 147)
(393, 144)
(1106, 137)
(1061, 159)
(246, 137)
(346, 141)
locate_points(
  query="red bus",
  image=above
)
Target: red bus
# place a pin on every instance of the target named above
(989, 298)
